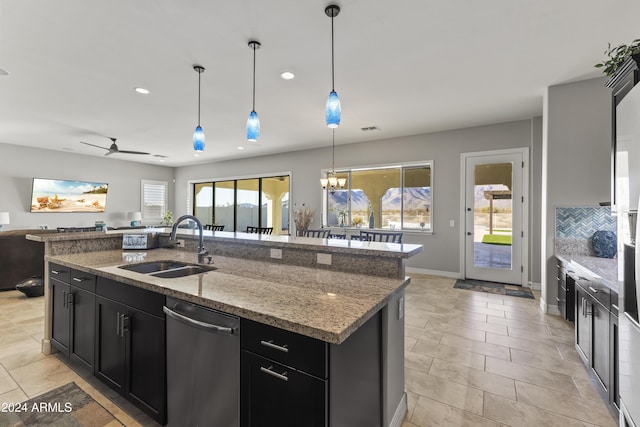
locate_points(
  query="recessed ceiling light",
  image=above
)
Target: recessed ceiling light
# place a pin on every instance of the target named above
(240, 148)
(142, 90)
(287, 75)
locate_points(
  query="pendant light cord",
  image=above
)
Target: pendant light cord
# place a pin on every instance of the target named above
(199, 73)
(333, 150)
(254, 78)
(332, 57)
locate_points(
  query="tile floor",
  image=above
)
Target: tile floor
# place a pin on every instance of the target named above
(472, 359)
(480, 359)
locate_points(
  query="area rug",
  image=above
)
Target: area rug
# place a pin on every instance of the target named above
(494, 288)
(66, 406)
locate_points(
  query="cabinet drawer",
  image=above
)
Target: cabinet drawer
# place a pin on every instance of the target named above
(59, 272)
(291, 349)
(614, 303)
(599, 292)
(82, 280)
(142, 299)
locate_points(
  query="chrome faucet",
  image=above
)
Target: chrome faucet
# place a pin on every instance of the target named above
(202, 253)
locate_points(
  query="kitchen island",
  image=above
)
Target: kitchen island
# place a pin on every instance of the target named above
(316, 302)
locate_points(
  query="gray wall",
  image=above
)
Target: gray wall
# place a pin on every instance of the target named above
(442, 248)
(21, 164)
(576, 160)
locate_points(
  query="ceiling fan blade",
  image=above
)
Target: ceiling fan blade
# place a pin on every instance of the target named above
(93, 145)
(132, 152)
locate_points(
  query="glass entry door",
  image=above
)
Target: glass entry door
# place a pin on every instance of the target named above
(493, 218)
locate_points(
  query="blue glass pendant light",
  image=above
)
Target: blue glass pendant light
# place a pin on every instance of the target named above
(333, 111)
(253, 122)
(198, 134)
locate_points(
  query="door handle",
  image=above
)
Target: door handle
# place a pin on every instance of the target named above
(124, 324)
(270, 344)
(282, 376)
(64, 299)
(70, 298)
(118, 323)
(469, 233)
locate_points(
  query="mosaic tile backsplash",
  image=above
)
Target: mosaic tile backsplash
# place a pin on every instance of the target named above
(575, 227)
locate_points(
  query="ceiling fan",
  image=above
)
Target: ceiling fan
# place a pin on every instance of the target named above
(113, 149)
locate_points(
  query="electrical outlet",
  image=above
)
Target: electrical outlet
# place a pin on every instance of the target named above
(324, 259)
(180, 243)
(400, 308)
(276, 253)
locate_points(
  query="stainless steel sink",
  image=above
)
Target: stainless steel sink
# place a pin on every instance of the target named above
(187, 270)
(167, 269)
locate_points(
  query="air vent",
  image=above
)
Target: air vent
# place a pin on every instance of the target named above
(370, 128)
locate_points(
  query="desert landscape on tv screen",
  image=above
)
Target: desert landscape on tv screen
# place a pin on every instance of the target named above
(51, 195)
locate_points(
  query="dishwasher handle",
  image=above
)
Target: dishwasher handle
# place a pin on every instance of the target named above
(193, 322)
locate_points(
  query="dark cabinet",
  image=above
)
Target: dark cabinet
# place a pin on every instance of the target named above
(287, 379)
(72, 329)
(566, 286)
(614, 388)
(130, 344)
(583, 324)
(279, 395)
(596, 335)
(600, 343)
(61, 313)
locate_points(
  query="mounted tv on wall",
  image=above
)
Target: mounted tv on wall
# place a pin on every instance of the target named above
(55, 195)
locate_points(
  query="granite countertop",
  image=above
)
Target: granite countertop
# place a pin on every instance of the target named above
(605, 270)
(323, 304)
(390, 250)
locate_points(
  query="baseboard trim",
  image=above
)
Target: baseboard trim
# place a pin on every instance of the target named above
(401, 411)
(451, 274)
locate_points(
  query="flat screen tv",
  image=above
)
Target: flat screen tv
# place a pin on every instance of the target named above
(55, 195)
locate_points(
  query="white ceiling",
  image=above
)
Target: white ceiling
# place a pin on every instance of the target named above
(405, 66)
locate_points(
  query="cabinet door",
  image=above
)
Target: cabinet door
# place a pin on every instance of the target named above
(110, 343)
(60, 315)
(83, 328)
(276, 395)
(562, 291)
(614, 387)
(583, 324)
(146, 362)
(600, 343)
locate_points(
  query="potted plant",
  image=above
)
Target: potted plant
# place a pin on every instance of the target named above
(168, 218)
(357, 221)
(617, 55)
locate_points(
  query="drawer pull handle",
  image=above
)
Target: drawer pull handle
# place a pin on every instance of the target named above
(614, 306)
(78, 279)
(55, 272)
(595, 291)
(269, 371)
(557, 299)
(270, 344)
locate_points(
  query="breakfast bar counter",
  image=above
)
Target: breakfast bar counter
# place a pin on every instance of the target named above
(319, 303)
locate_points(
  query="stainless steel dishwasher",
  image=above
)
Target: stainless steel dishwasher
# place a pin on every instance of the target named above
(203, 366)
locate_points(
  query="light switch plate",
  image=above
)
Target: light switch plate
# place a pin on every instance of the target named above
(276, 253)
(452, 223)
(324, 259)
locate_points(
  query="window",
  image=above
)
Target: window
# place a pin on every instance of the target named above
(154, 200)
(390, 197)
(238, 203)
